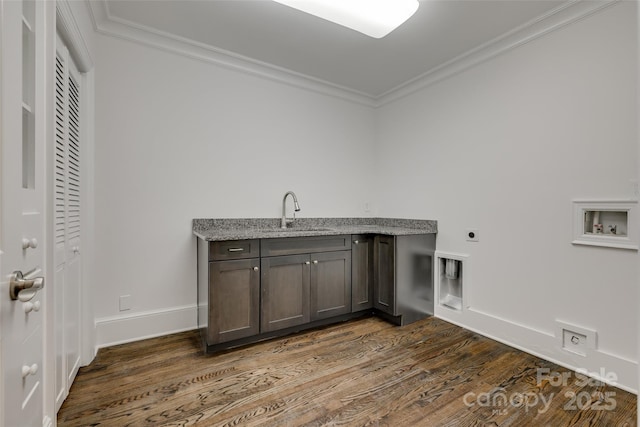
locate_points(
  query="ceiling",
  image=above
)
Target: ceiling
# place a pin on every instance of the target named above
(287, 39)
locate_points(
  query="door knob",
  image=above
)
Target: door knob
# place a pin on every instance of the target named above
(24, 289)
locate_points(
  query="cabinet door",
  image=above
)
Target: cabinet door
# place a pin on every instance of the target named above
(234, 300)
(330, 284)
(384, 274)
(285, 292)
(361, 272)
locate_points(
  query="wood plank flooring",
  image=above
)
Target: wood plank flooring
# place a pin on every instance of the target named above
(360, 373)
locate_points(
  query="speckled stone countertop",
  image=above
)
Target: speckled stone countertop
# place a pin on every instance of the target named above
(219, 229)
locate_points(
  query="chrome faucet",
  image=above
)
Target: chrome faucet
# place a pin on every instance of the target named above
(296, 207)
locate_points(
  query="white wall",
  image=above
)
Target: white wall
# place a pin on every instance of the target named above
(178, 139)
(504, 147)
(638, 178)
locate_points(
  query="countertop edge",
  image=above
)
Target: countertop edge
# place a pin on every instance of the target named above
(221, 229)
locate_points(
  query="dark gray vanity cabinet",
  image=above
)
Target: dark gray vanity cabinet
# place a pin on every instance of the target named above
(361, 272)
(249, 290)
(228, 290)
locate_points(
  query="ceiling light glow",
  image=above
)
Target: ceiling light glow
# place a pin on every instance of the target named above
(375, 18)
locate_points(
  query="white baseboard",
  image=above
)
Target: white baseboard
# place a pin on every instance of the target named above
(597, 364)
(138, 326)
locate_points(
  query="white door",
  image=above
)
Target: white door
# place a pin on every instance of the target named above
(22, 196)
(66, 233)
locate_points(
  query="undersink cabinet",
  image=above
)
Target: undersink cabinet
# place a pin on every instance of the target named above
(297, 289)
(312, 282)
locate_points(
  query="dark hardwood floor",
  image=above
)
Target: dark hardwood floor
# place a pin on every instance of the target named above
(361, 373)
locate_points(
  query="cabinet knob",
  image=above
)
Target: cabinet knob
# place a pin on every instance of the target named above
(29, 243)
(315, 261)
(29, 306)
(355, 242)
(29, 370)
(255, 268)
(307, 262)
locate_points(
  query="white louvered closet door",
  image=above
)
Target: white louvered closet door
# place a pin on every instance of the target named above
(67, 227)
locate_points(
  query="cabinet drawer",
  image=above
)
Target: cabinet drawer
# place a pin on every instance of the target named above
(304, 245)
(234, 249)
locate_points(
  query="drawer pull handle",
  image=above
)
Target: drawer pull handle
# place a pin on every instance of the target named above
(235, 249)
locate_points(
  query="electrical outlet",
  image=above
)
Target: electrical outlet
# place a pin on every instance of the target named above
(574, 342)
(576, 339)
(472, 235)
(125, 302)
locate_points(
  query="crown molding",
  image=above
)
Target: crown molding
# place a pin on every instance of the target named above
(70, 32)
(560, 17)
(106, 24)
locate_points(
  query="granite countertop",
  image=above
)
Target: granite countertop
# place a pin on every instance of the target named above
(219, 229)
